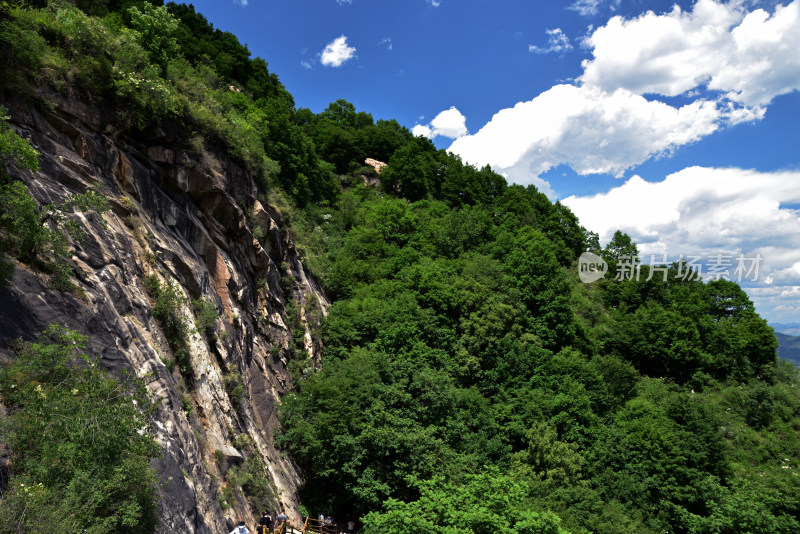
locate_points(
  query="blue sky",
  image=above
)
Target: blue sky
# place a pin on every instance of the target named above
(675, 122)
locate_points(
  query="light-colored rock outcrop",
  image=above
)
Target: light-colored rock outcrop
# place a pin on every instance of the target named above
(375, 164)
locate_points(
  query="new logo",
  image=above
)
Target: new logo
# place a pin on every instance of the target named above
(591, 267)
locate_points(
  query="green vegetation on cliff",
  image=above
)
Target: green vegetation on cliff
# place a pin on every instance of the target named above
(470, 382)
(36, 235)
(80, 443)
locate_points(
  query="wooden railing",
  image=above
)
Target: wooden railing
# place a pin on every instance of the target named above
(310, 525)
(317, 526)
(288, 528)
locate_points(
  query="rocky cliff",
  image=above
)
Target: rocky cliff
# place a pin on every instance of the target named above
(190, 217)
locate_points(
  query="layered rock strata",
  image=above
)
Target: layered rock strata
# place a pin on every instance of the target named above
(189, 217)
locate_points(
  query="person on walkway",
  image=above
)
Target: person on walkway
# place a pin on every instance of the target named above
(266, 522)
(281, 520)
(241, 529)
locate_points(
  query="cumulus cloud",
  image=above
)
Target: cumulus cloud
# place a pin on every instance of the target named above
(727, 63)
(448, 123)
(421, 129)
(699, 208)
(749, 57)
(557, 42)
(707, 211)
(337, 52)
(587, 128)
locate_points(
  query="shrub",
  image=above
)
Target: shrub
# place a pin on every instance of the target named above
(34, 235)
(168, 301)
(760, 406)
(252, 477)
(14, 150)
(235, 388)
(243, 442)
(186, 403)
(80, 442)
(156, 28)
(205, 316)
(170, 364)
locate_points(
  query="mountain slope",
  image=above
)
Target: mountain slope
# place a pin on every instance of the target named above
(461, 378)
(789, 347)
(789, 329)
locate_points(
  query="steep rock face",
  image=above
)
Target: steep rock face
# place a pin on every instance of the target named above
(187, 217)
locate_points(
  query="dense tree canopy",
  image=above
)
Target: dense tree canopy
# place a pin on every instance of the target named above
(459, 343)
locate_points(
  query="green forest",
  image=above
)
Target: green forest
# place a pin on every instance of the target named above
(470, 382)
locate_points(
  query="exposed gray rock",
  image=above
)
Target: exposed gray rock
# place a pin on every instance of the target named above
(176, 216)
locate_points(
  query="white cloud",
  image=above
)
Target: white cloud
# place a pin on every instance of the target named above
(793, 291)
(777, 304)
(586, 128)
(749, 57)
(557, 41)
(700, 207)
(585, 8)
(306, 64)
(342, 2)
(421, 129)
(242, 3)
(448, 123)
(707, 211)
(434, 3)
(386, 42)
(589, 8)
(727, 63)
(337, 52)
